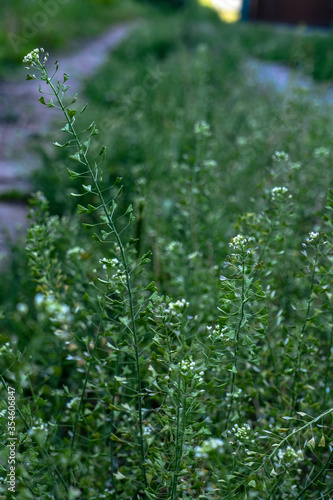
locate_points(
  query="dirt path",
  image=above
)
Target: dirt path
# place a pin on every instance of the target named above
(22, 117)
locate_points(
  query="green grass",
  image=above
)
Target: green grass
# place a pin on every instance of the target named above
(228, 371)
(298, 47)
(56, 24)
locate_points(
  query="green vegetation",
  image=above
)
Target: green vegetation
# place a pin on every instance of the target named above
(202, 369)
(55, 24)
(302, 48)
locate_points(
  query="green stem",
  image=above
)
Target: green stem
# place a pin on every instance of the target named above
(111, 225)
(301, 340)
(173, 495)
(236, 348)
(328, 363)
(85, 385)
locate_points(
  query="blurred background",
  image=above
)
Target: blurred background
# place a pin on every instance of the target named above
(243, 37)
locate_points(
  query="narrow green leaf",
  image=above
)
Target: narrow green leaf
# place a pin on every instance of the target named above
(83, 109)
(115, 438)
(82, 210)
(102, 152)
(129, 209)
(151, 287)
(73, 175)
(66, 129)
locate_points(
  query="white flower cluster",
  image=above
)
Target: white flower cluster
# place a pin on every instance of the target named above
(278, 193)
(39, 426)
(202, 128)
(176, 308)
(210, 163)
(32, 58)
(174, 246)
(116, 267)
(147, 431)
(73, 404)
(232, 396)
(75, 251)
(22, 308)
(217, 332)
(312, 238)
(288, 457)
(208, 447)
(321, 153)
(243, 434)
(57, 312)
(6, 348)
(188, 368)
(280, 156)
(239, 241)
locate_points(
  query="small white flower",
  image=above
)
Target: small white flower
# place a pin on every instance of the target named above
(210, 163)
(239, 241)
(33, 58)
(22, 308)
(278, 193)
(73, 404)
(280, 156)
(321, 153)
(202, 128)
(312, 237)
(208, 447)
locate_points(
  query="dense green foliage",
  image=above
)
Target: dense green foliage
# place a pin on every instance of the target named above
(201, 370)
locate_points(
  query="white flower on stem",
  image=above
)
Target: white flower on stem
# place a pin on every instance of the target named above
(239, 241)
(278, 193)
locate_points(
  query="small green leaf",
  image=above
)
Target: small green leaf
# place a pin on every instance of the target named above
(71, 113)
(73, 175)
(115, 438)
(151, 287)
(129, 209)
(91, 208)
(66, 129)
(82, 210)
(104, 234)
(83, 109)
(75, 157)
(30, 77)
(118, 475)
(102, 152)
(50, 104)
(42, 100)
(65, 77)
